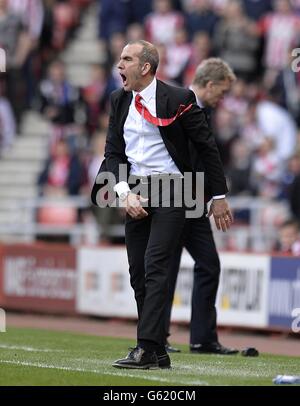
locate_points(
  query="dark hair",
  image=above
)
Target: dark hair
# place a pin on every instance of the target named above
(148, 54)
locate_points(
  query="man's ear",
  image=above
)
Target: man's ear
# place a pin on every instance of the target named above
(209, 84)
(146, 68)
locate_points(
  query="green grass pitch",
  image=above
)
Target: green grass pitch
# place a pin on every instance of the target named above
(40, 357)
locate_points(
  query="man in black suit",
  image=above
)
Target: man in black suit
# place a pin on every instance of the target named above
(150, 126)
(212, 80)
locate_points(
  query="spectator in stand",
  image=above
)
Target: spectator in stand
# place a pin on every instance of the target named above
(200, 17)
(95, 96)
(236, 101)
(115, 45)
(227, 131)
(65, 18)
(105, 217)
(240, 169)
(178, 56)
(46, 40)
(289, 238)
(31, 13)
(14, 39)
(162, 24)
(134, 32)
(296, 6)
(256, 9)
(139, 9)
(58, 99)
(287, 86)
(249, 131)
(113, 17)
(236, 41)
(294, 186)
(266, 170)
(275, 122)
(11, 28)
(281, 29)
(162, 72)
(7, 122)
(62, 175)
(201, 49)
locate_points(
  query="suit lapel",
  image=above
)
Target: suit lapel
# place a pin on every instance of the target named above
(161, 101)
(126, 100)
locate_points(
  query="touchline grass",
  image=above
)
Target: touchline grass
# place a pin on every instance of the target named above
(41, 357)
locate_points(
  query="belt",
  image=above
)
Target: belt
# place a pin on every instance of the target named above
(145, 180)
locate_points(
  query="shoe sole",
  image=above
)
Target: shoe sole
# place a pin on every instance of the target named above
(135, 366)
(214, 353)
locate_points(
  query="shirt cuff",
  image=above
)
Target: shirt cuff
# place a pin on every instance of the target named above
(121, 187)
(217, 197)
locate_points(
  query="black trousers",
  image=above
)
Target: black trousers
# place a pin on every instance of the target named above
(151, 244)
(199, 242)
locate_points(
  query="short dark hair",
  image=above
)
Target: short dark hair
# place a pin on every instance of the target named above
(149, 54)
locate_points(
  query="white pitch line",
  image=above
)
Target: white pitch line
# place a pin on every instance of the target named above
(95, 371)
(29, 349)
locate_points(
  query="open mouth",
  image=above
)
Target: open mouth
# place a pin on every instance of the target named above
(124, 79)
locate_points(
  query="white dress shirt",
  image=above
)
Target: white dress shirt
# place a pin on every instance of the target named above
(145, 149)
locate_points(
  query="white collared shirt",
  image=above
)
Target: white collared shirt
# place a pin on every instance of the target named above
(145, 149)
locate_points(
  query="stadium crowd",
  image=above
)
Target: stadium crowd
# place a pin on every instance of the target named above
(257, 125)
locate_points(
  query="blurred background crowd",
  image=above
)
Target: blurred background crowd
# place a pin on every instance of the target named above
(257, 125)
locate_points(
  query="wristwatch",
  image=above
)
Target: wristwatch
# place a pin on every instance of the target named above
(123, 195)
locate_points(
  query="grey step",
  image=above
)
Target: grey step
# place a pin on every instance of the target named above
(34, 118)
(9, 204)
(32, 115)
(31, 141)
(29, 133)
(26, 149)
(12, 217)
(18, 192)
(87, 33)
(34, 123)
(14, 167)
(35, 130)
(88, 47)
(88, 55)
(91, 59)
(21, 178)
(79, 74)
(20, 154)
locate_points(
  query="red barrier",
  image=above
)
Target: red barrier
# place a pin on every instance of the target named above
(40, 277)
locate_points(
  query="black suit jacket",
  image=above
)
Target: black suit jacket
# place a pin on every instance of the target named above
(191, 126)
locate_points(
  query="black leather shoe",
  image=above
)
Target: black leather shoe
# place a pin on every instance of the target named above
(169, 348)
(164, 361)
(138, 358)
(212, 348)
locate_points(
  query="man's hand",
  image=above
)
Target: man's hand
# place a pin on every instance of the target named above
(134, 207)
(220, 209)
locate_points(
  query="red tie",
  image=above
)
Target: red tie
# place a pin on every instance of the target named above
(160, 122)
